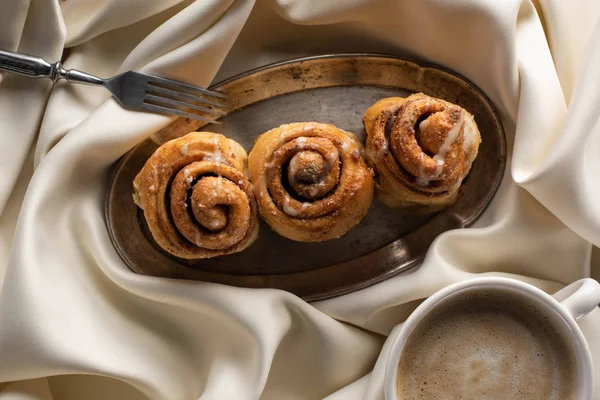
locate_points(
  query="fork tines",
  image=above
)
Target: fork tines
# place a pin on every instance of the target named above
(172, 97)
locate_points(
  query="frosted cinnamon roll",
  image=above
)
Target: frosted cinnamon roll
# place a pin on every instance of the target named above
(196, 198)
(310, 181)
(421, 149)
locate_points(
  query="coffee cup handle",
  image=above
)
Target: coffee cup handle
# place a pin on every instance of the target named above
(580, 297)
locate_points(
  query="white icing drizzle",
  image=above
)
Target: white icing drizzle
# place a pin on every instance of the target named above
(217, 152)
(440, 157)
(291, 211)
(300, 142)
(283, 134)
(216, 155)
(240, 182)
(422, 182)
(184, 149)
(469, 133)
(213, 224)
(293, 167)
(269, 170)
(422, 178)
(186, 174)
(345, 146)
(219, 185)
(331, 158)
(155, 174)
(382, 150)
(309, 127)
(152, 188)
(288, 209)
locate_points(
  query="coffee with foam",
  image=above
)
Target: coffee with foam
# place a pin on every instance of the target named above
(486, 345)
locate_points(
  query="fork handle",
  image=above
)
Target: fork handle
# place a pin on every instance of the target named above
(36, 67)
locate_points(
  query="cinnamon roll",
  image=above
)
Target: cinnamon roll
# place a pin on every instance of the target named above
(310, 181)
(421, 149)
(196, 198)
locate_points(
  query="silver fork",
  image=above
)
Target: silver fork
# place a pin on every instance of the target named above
(131, 89)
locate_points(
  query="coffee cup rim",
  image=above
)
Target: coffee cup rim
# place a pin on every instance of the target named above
(403, 333)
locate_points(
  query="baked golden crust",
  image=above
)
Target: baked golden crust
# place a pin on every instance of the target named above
(310, 180)
(421, 149)
(196, 198)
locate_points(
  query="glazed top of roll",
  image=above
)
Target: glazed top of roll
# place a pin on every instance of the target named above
(196, 198)
(423, 141)
(310, 180)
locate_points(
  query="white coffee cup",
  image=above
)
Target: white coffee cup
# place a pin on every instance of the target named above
(564, 308)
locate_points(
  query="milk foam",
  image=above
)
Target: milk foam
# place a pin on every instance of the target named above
(486, 345)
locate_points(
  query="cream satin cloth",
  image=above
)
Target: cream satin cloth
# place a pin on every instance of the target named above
(75, 323)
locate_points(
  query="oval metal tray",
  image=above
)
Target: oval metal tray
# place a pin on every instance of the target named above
(333, 89)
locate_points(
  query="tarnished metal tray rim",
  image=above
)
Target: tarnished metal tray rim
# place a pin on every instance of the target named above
(264, 98)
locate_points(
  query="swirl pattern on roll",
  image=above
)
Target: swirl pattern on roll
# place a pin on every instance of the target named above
(310, 180)
(421, 149)
(197, 201)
